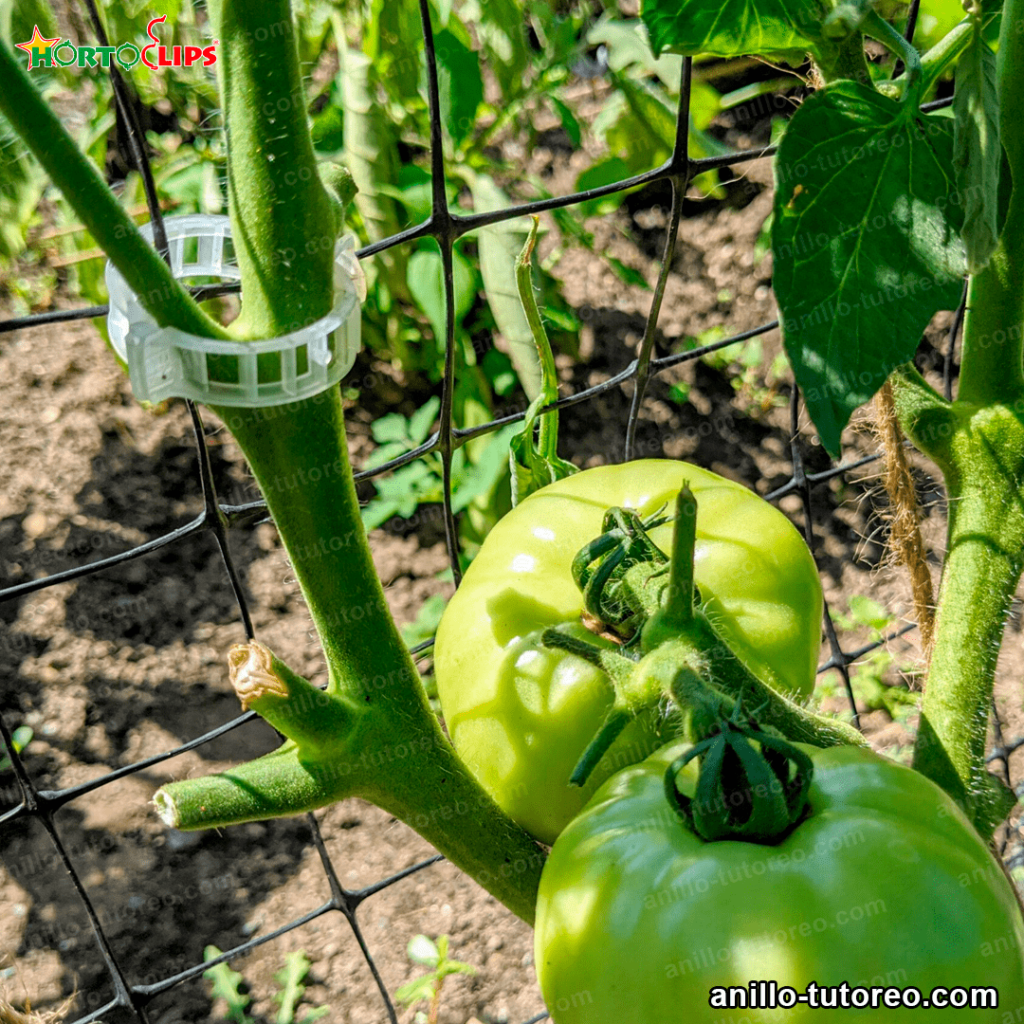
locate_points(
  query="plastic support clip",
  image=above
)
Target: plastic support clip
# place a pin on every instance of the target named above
(164, 362)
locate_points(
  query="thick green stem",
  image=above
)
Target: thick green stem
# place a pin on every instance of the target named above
(687, 667)
(980, 450)
(389, 747)
(283, 222)
(935, 61)
(991, 365)
(548, 440)
(77, 177)
(983, 566)
(978, 442)
(878, 28)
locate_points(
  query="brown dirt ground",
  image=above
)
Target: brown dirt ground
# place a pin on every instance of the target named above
(130, 663)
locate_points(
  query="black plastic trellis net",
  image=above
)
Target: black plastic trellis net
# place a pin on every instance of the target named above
(132, 1001)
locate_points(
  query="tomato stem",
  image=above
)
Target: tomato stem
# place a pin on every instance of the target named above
(978, 443)
(676, 612)
(377, 738)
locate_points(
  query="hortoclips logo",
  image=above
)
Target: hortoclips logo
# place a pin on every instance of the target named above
(62, 53)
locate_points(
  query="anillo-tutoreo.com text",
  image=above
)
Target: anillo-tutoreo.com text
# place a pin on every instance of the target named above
(768, 995)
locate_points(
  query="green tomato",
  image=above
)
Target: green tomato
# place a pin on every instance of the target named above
(520, 714)
(884, 883)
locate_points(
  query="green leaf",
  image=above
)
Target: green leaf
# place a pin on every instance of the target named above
(502, 31)
(498, 246)
(390, 428)
(427, 620)
(978, 153)
(645, 132)
(290, 978)
(570, 125)
(21, 736)
(391, 31)
(461, 84)
(498, 368)
(416, 990)
(444, 11)
(605, 172)
(869, 612)
(456, 967)
(628, 275)
(226, 984)
(422, 950)
(422, 420)
(866, 244)
(426, 285)
(370, 150)
(627, 44)
(730, 28)
(485, 472)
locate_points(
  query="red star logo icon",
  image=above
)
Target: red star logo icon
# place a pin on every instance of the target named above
(36, 46)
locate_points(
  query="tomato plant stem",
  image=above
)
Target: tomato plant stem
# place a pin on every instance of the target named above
(377, 736)
(978, 442)
(945, 52)
(390, 748)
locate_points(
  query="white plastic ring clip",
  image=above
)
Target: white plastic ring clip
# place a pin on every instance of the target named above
(165, 362)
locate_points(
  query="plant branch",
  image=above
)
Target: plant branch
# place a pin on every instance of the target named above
(935, 61)
(283, 222)
(878, 28)
(992, 369)
(982, 459)
(379, 740)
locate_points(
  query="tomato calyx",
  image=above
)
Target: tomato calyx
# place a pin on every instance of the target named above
(613, 570)
(672, 656)
(752, 785)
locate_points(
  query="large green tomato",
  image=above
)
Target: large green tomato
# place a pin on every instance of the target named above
(884, 883)
(520, 714)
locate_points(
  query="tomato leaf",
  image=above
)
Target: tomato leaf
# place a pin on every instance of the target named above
(866, 244)
(460, 82)
(978, 153)
(422, 950)
(426, 284)
(728, 28)
(570, 125)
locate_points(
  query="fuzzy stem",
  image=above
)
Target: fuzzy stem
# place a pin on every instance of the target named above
(991, 367)
(978, 442)
(675, 613)
(547, 442)
(935, 61)
(389, 747)
(703, 661)
(878, 28)
(983, 567)
(283, 223)
(991, 364)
